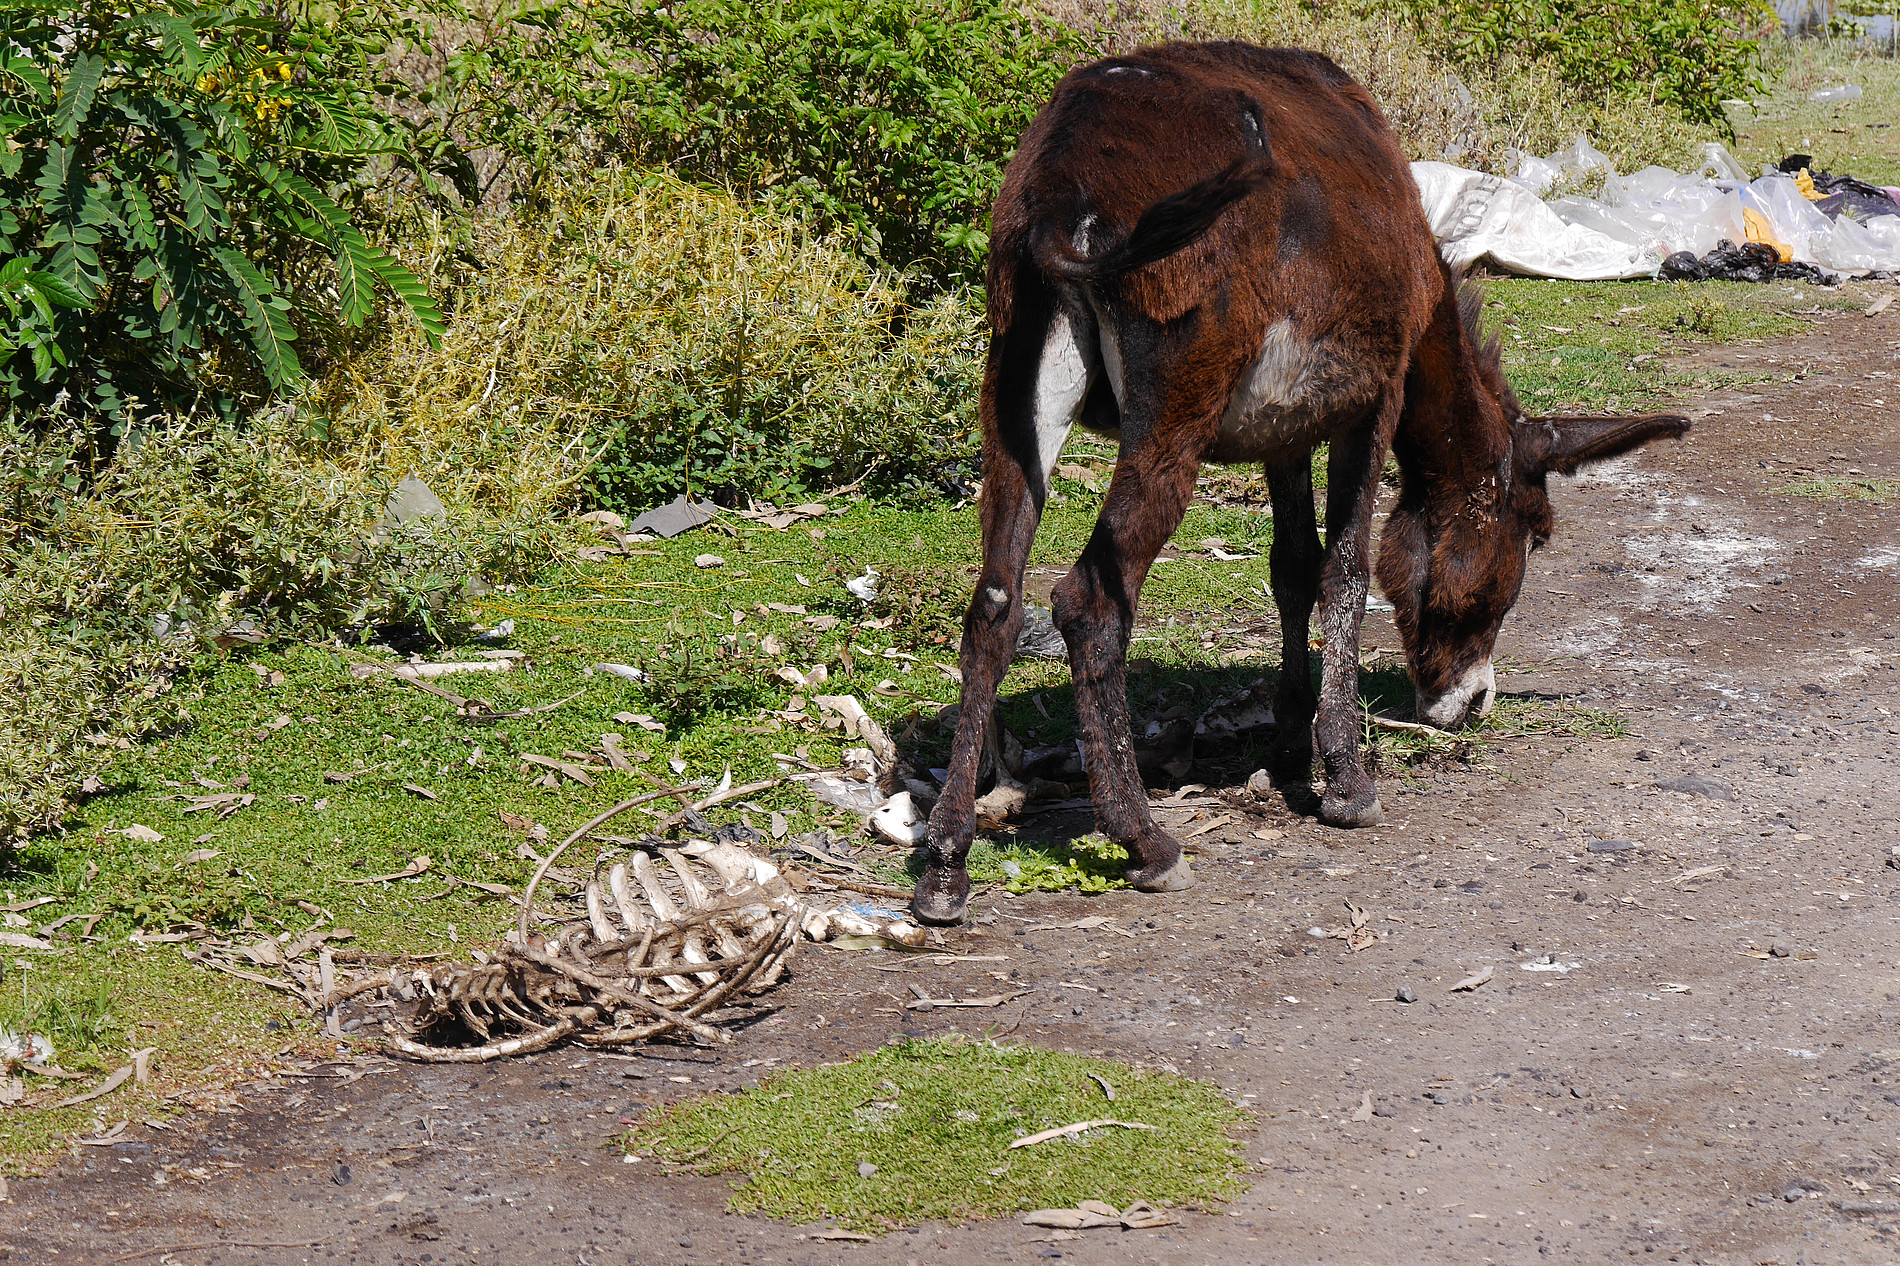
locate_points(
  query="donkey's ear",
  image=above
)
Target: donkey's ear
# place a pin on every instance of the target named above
(1570, 443)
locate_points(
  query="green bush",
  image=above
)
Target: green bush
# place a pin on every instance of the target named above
(1685, 55)
(169, 178)
(672, 337)
(886, 118)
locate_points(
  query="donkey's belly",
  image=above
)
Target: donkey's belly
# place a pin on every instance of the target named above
(1295, 394)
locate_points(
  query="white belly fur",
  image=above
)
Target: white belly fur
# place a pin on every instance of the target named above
(1292, 397)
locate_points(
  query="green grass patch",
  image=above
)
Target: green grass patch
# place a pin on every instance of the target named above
(1840, 488)
(936, 1118)
(1093, 863)
(1606, 345)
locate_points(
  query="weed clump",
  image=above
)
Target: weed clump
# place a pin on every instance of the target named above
(936, 1118)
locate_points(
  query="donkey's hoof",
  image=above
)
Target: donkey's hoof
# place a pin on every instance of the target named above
(942, 896)
(1172, 877)
(1349, 812)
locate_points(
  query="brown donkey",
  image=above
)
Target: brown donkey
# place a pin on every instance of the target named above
(1216, 253)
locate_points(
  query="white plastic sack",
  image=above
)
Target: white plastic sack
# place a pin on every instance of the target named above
(1477, 216)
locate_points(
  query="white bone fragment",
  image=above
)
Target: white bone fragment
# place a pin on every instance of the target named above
(905, 932)
(697, 895)
(851, 923)
(663, 907)
(597, 914)
(623, 899)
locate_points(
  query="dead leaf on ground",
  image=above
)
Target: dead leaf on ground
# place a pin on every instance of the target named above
(569, 768)
(424, 792)
(420, 863)
(142, 833)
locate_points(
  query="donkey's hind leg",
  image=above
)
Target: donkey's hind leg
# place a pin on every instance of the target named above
(1095, 609)
(1294, 558)
(1037, 378)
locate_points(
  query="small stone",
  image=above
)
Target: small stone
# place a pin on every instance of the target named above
(1440, 1099)
(1611, 846)
(1406, 994)
(1646, 754)
(866, 1169)
(1260, 785)
(1384, 1110)
(709, 560)
(686, 1241)
(342, 1176)
(1780, 949)
(1792, 1194)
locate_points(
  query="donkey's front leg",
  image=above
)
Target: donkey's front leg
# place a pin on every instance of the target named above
(1352, 493)
(1095, 609)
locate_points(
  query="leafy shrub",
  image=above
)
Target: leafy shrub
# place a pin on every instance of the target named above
(1469, 110)
(166, 196)
(1686, 55)
(889, 119)
(684, 338)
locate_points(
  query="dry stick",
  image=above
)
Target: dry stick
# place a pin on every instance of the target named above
(181, 1248)
(527, 898)
(1408, 727)
(611, 990)
(718, 797)
(870, 889)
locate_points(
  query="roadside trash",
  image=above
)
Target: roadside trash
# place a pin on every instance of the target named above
(1647, 222)
(1827, 96)
(28, 1048)
(679, 515)
(500, 633)
(1040, 639)
(1751, 261)
(864, 588)
(621, 670)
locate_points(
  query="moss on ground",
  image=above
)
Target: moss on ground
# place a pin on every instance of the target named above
(1841, 488)
(936, 1119)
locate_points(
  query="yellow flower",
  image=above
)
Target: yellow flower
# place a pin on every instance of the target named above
(283, 71)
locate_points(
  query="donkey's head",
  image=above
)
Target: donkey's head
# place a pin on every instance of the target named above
(1472, 507)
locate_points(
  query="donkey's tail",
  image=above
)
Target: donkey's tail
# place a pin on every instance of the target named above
(1172, 224)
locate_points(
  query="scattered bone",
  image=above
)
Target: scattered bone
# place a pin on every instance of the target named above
(1072, 1130)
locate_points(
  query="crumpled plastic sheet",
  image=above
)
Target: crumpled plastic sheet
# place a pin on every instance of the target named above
(1637, 221)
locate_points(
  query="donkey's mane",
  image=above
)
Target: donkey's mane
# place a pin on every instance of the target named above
(1485, 346)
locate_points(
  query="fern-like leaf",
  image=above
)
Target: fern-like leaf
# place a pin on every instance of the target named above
(414, 295)
(76, 94)
(265, 317)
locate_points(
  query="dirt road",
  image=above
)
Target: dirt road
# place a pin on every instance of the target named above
(1687, 1050)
